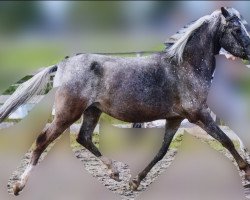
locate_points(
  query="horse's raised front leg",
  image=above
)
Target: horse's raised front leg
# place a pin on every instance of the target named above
(68, 110)
(170, 130)
(90, 118)
(206, 122)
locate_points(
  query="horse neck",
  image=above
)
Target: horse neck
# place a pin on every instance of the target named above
(202, 47)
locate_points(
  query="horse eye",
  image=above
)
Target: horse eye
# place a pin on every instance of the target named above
(237, 31)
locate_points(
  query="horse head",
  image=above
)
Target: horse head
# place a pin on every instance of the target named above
(234, 36)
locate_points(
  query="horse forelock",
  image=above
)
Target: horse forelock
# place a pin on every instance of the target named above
(242, 21)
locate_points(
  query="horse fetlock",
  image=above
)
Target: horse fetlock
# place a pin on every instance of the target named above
(247, 172)
(242, 163)
(112, 170)
(134, 184)
(108, 162)
(18, 187)
(246, 168)
(114, 173)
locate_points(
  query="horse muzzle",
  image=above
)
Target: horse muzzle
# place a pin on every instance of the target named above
(248, 51)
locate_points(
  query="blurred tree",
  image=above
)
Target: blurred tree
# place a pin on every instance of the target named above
(95, 14)
(162, 9)
(17, 15)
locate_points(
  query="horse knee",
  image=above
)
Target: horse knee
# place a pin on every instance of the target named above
(84, 141)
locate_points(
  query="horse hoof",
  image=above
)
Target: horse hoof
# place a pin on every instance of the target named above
(115, 176)
(17, 188)
(134, 184)
(247, 175)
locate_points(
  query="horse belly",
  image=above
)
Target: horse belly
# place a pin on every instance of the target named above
(132, 112)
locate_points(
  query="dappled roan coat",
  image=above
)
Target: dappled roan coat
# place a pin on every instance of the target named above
(171, 85)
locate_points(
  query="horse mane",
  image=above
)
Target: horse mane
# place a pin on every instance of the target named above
(172, 39)
(179, 40)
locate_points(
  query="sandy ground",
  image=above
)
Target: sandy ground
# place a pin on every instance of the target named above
(98, 170)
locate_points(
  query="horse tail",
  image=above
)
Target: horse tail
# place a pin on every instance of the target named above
(25, 91)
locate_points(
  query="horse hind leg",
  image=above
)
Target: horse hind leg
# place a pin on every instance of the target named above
(68, 110)
(47, 136)
(90, 118)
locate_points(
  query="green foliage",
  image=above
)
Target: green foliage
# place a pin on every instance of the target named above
(246, 62)
(15, 15)
(10, 90)
(95, 14)
(24, 79)
(176, 142)
(111, 120)
(218, 146)
(13, 88)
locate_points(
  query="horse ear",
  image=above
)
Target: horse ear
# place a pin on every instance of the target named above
(224, 12)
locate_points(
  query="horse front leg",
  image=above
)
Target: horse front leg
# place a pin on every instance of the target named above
(170, 130)
(206, 122)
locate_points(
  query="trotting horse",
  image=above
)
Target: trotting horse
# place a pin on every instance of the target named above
(171, 85)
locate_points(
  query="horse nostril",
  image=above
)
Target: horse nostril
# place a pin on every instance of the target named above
(248, 51)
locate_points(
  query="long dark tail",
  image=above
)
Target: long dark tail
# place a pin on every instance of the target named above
(25, 91)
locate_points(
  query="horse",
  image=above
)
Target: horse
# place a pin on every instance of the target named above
(172, 85)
